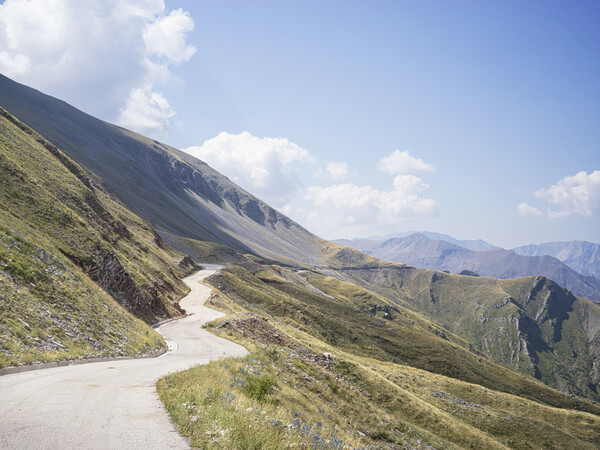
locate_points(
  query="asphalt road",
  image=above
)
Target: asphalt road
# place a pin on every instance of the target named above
(110, 405)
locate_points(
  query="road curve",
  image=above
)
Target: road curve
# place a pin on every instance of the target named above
(110, 405)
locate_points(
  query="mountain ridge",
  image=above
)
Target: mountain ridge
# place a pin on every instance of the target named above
(471, 244)
(173, 190)
(420, 251)
(582, 256)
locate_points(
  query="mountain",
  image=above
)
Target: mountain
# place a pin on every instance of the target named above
(419, 251)
(477, 244)
(87, 210)
(73, 262)
(180, 195)
(530, 324)
(581, 256)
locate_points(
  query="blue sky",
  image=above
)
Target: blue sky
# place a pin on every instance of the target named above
(485, 114)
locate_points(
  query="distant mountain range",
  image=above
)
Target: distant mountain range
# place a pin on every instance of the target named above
(582, 256)
(477, 244)
(418, 250)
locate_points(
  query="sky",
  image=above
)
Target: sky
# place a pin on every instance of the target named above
(356, 119)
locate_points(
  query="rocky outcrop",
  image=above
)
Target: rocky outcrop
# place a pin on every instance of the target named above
(107, 271)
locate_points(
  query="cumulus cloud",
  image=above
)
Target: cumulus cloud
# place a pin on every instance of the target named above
(166, 37)
(399, 162)
(106, 57)
(526, 210)
(349, 204)
(577, 195)
(266, 167)
(335, 171)
(146, 110)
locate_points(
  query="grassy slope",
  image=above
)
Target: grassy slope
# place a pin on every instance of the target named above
(56, 229)
(529, 324)
(51, 310)
(360, 394)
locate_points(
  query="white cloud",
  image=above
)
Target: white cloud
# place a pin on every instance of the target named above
(526, 210)
(146, 110)
(399, 162)
(344, 205)
(106, 57)
(263, 166)
(165, 37)
(577, 195)
(335, 171)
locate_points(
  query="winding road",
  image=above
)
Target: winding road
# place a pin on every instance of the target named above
(110, 405)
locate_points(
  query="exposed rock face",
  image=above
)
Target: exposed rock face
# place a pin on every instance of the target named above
(106, 270)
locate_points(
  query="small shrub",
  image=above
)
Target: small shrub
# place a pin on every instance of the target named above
(304, 367)
(40, 334)
(258, 387)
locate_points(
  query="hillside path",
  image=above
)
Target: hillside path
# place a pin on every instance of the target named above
(110, 405)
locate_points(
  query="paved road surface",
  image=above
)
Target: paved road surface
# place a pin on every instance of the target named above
(109, 405)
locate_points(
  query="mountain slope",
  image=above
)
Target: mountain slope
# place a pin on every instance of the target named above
(333, 362)
(529, 324)
(175, 192)
(66, 248)
(582, 256)
(420, 251)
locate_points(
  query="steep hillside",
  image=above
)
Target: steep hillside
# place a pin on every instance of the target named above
(422, 252)
(529, 324)
(69, 254)
(584, 257)
(172, 190)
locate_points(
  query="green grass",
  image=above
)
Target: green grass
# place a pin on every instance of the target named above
(528, 324)
(356, 387)
(343, 400)
(341, 314)
(62, 315)
(214, 407)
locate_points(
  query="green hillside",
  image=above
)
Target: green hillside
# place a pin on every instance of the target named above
(73, 261)
(529, 324)
(334, 365)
